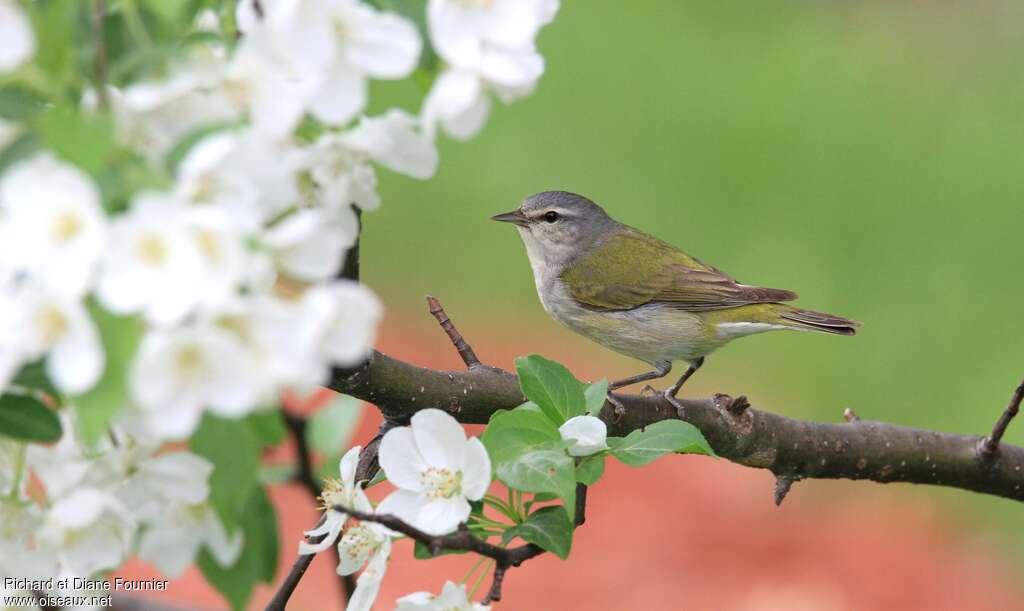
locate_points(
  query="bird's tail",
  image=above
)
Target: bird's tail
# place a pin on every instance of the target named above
(810, 320)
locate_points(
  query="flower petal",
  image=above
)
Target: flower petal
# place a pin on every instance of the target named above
(385, 46)
(403, 504)
(347, 466)
(442, 516)
(476, 475)
(440, 439)
(401, 460)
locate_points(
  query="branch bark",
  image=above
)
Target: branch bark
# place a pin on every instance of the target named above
(789, 448)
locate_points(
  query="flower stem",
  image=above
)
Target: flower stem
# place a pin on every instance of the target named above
(473, 569)
(480, 578)
(19, 468)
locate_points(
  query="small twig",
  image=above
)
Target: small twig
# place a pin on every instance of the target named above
(257, 7)
(990, 445)
(465, 351)
(366, 468)
(309, 480)
(782, 485)
(463, 540)
(850, 416)
(581, 505)
(291, 581)
(494, 593)
(100, 59)
(350, 266)
(304, 475)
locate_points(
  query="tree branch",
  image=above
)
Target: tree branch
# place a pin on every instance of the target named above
(463, 348)
(304, 475)
(990, 444)
(797, 449)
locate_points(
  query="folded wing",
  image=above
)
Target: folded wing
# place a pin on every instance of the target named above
(632, 268)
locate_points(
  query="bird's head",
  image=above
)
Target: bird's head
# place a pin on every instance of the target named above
(558, 226)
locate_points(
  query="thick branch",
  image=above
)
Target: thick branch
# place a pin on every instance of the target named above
(786, 446)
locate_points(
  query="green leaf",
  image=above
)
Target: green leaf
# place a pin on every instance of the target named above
(511, 434)
(84, 139)
(33, 376)
(120, 336)
(22, 147)
(18, 102)
(590, 469)
(422, 552)
(55, 29)
(550, 385)
(23, 417)
(596, 394)
(549, 528)
(234, 449)
(268, 424)
(542, 470)
(331, 426)
(667, 436)
(258, 560)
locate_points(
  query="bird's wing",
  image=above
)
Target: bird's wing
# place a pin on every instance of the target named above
(657, 273)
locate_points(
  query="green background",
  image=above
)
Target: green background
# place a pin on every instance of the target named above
(865, 155)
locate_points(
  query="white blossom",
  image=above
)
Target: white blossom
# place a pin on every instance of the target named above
(244, 173)
(359, 543)
(90, 529)
(344, 491)
(340, 167)
(173, 541)
(489, 47)
(51, 224)
(37, 323)
(589, 434)
(452, 598)
(437, 472)
(152, 261)
(350, 312)
(180, 371)
(309, 244)
(19, 42)
(153, 116)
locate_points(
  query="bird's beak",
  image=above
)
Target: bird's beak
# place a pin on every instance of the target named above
(516, 216)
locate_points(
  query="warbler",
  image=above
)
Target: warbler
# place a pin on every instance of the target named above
(637, 295)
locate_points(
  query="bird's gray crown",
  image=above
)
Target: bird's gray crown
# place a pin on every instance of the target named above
(564, 201)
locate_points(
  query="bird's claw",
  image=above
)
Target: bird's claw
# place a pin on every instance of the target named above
(648, 391)
(680, 408)
(618, 408)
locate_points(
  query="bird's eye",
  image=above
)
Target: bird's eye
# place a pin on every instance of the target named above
(551, 216)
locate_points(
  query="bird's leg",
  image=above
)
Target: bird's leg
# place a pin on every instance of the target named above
(670, 392)
(661, 370)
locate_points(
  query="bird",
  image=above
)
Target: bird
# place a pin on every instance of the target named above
(639, 296)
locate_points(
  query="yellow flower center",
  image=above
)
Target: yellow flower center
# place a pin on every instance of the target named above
(152, 250)
(189, 361)
(52, 324)
(66, 226)
(441, 483)
(209, 245)
(334, 493)
(358, 541)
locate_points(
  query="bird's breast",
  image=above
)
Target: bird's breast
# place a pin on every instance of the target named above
(650, 333)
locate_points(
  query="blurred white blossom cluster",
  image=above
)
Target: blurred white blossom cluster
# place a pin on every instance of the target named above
(105, 504)
(218, 287)
(233, 268)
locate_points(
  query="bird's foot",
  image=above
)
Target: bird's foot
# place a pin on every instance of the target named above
(670, 396)
(648, 391)
(617, 407)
